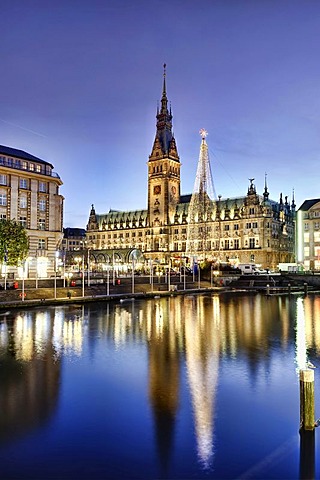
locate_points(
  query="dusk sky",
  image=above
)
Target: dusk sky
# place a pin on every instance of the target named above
(80, 82)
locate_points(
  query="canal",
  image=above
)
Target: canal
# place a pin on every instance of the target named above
(186, 387)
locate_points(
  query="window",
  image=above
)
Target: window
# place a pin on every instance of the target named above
(226, 245)
(42, 205)
(306, 226)
(38, 168)
(251, 243)
(176, 231)
(251, 211)
(23, 221)
(24, 165)
(3, 216)
(226, 227)
(236, 226)
(248, 225)
(3, 199)
(31, 167)
(236, 244)
(140, 234)
(23, 183)
(42, 224)
(3, 179)
(41, 243)
(254, 225)
(23, 202)
(42, 187)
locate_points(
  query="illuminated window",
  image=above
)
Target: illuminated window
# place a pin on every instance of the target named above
(42, 205)
(24, 165)
(23, 183)
(42, 224)
(31, 167)
(316, 237)
(3, 179)
(23, 202)
(38, 168)
(3, 199)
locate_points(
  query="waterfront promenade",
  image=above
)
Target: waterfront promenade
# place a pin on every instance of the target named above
(63, 295)
(47, 294)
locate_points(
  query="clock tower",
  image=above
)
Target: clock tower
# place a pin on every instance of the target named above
(163, 174)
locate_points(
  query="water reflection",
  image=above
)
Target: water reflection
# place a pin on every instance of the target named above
(193, 332)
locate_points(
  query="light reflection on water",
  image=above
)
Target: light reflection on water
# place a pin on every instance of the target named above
(209, 369)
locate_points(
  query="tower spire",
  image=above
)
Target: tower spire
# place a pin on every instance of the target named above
(164, 140)
(265, 193)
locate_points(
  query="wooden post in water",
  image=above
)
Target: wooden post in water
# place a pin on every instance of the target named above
(305, 288)
(289, 288)
(268, 289)
(307, 399)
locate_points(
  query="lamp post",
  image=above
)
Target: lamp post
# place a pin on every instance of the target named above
(5, 268)
(83, 275)
(68, 276)
(88, 266)
(132, 275)
(78, 260)
(108, 278)
(151, 275)
(23, 273)
(64, 269)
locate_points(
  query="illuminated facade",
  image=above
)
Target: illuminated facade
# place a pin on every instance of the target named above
(308, 234)
(252, 228)
(29, 193)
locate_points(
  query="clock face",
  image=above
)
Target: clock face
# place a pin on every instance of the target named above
(173, 190)
(157, 189)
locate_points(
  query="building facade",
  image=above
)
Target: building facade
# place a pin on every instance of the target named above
(308, 234)
(29, 194)
(252, 228)
(73, 239)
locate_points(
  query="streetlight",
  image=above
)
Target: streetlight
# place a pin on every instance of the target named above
(78, 260)
(68, 276)
(55, 273)
(132, 275)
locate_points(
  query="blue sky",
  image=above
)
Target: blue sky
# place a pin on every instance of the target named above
(80, 81)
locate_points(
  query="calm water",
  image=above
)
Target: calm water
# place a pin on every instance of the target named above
(183, 387)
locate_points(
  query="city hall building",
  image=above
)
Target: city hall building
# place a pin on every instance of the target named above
(251, 228)
(29, 194)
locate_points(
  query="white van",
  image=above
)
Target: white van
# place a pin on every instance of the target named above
(247, 268)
